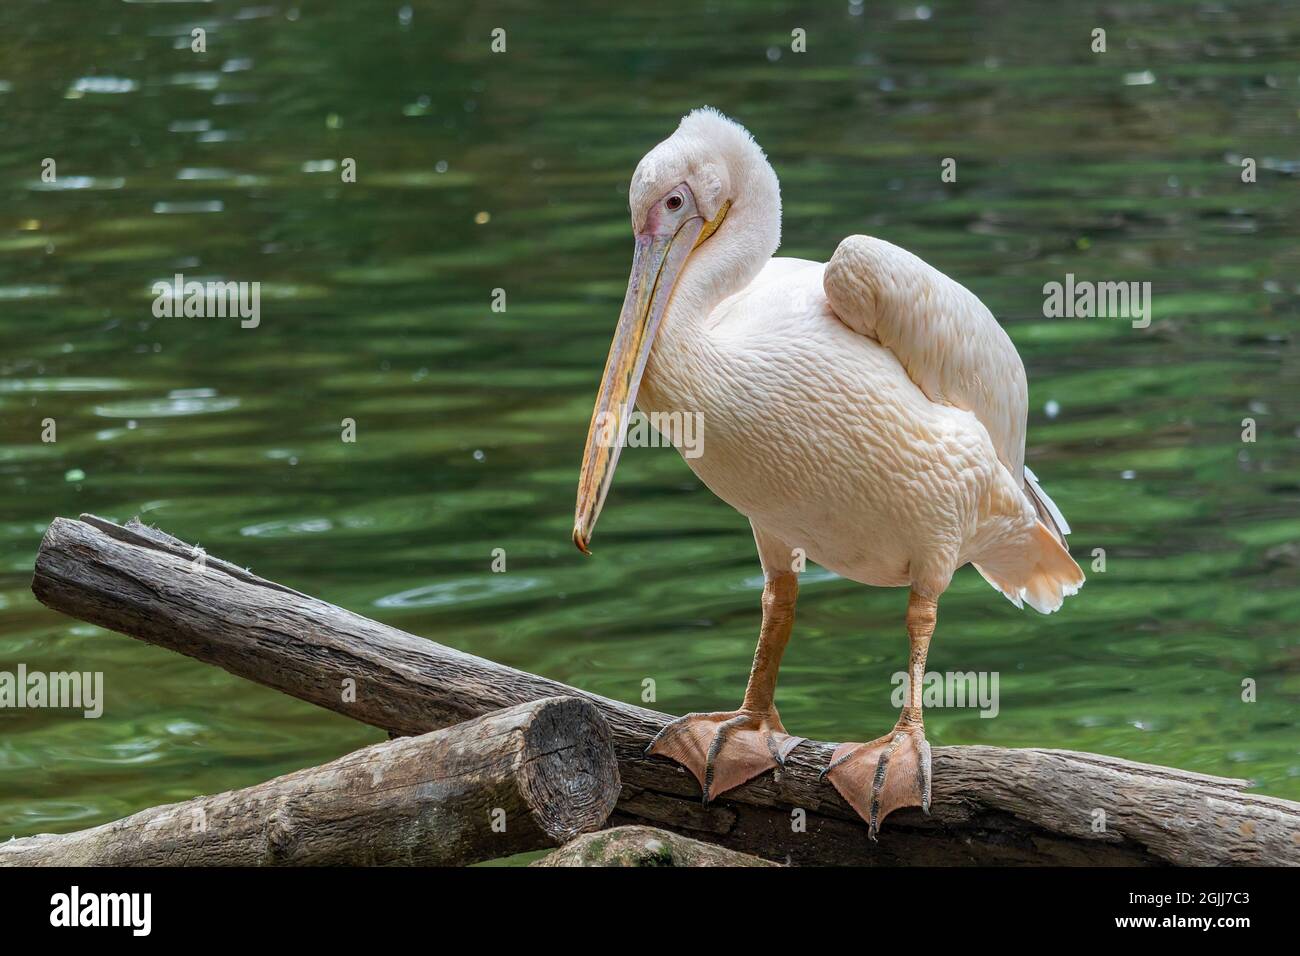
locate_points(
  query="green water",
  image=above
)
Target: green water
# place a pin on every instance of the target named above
(376, 303)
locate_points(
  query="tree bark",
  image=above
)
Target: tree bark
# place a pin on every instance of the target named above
(990, 806)
(644, 846)
(525, 778)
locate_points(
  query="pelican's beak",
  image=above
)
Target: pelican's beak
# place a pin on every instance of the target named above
(662, 248)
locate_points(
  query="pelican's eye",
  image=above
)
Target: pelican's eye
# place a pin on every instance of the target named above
(674, 202)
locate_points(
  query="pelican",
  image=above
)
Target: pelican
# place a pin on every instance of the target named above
(867, 414)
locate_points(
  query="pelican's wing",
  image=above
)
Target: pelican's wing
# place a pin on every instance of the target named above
(950, 344)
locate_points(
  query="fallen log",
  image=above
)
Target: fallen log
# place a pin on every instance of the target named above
(990, 805)
(644, 846)
(525, 778)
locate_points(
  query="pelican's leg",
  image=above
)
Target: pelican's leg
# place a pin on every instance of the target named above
(725, 749)
(894, 770)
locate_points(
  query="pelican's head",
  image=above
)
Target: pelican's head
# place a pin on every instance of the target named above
(706, 195)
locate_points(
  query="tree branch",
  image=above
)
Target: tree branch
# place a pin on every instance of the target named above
(989, 805)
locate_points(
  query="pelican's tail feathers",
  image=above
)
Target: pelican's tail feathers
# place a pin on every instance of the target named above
(1048, 513)
(1045, 577)
(1010, 592)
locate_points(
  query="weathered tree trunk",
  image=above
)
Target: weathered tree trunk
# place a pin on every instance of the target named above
(644, 846)
(520, 779)
(989, 805)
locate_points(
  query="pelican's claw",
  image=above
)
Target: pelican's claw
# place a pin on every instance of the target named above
(725, 749)
(879, 777)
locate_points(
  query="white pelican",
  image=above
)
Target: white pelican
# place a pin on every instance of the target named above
(869, 411)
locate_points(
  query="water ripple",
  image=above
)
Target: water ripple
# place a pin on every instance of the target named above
(464, 591)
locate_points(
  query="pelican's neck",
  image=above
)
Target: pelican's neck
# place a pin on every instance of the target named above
(723, 265)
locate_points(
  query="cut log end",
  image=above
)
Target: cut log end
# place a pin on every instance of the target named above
(572, 789)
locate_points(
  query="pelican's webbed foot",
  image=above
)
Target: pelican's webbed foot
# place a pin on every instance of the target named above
(725, 749)
(890, 772)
